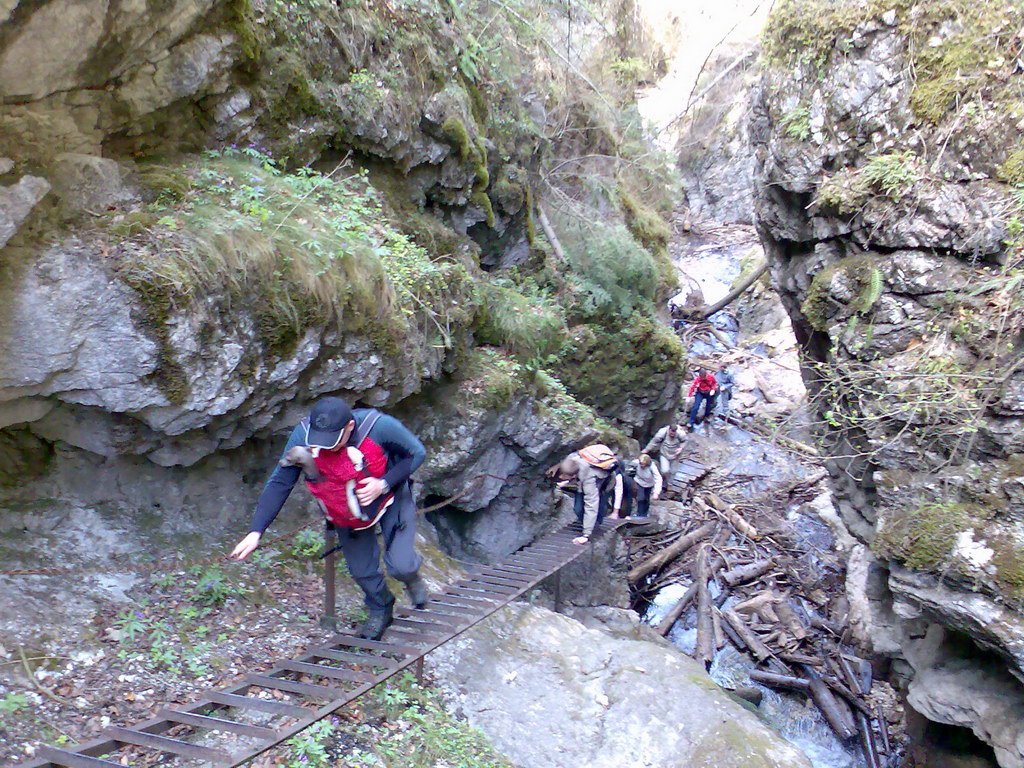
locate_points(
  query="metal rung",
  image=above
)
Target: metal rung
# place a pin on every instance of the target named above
(216, 724)
(519, 577)
(426, 626)
(363, 659)
(167, 744)
(335, 673)
(474, 600)
(503, 592)
(374, 645)
(487, 578)
(304, 689)
(428, 615)
(452, 604)
(425, 638)
(73, 759)
(262, 705)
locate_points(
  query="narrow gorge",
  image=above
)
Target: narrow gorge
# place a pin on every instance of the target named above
(497, 221)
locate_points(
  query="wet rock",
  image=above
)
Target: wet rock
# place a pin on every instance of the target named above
(546, 691)
(17, 202)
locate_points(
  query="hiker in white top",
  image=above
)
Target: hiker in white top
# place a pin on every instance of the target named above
(668, 442)
(648, 485)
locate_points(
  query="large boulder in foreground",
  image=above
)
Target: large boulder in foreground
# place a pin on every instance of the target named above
(548, 692)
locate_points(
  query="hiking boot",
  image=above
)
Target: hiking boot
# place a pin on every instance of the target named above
(417, 590)
(375, 624)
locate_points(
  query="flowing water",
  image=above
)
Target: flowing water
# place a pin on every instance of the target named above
(712, 264)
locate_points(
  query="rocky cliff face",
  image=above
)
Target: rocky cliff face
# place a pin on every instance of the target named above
(888, 197)
(216, 212)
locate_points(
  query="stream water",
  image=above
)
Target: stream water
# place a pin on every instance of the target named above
(713, 265)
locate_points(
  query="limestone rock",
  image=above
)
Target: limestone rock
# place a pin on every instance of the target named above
(546, 691)
(88, 183)
(17, 201)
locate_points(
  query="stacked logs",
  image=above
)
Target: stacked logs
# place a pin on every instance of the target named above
(758, 606)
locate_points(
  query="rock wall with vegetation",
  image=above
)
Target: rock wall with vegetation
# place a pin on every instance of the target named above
(889, 195)
(215, 212)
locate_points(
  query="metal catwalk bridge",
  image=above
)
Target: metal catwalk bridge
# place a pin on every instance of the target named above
(231, 726)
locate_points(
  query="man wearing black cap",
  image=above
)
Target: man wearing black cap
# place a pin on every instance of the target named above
(325, 441)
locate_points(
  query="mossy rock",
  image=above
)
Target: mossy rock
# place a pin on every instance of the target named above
(606, 365)
(509, 189)
(820, 306)
(923, 538)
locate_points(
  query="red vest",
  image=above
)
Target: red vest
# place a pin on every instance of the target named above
(340, 473)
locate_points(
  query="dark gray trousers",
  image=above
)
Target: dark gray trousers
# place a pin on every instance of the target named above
(362, 552)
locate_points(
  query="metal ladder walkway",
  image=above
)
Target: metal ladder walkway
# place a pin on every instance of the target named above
(342, 670)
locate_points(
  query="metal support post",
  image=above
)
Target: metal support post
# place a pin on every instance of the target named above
(419, 670)
(329, 619)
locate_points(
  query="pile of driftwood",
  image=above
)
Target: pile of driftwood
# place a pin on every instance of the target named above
(751, 589)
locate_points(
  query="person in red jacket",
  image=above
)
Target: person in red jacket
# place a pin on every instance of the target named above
(702, 390)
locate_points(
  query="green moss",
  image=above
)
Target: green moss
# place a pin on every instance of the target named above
(867, 281)
(155, 306)
(477, 102)
(241, 21)
(490, 379)
(483, 177)
(1008, 561)
(480, 199)
(644, 224)
(923, 538)
(605, 365)
(132, 224)
(1012, 169)
(170, 183)
(454, 130)
(531, 224)
(509, 189)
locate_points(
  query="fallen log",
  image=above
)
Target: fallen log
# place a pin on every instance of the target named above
(705, 650)
(829, 706)
(716, 625)
(734, 638)
(677, 610)
(752, 641)
(867, 741)
(735, 518)
(670, 552)
(883, 729)
(743, 573)
(779, 681)
(706, 311)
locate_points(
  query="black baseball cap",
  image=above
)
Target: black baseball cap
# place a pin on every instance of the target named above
(327, 420)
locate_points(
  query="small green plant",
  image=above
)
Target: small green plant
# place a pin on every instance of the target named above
(308, 749)
(13, 703)
(131, 624)
(307, 543)
(892, 173)
(213, 588)
(797, 123)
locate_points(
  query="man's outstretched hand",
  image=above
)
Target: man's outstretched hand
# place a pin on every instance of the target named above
(246, 546)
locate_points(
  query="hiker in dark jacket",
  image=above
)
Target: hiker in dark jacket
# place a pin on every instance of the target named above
(725, 387)
(703, 391)
(358, 486)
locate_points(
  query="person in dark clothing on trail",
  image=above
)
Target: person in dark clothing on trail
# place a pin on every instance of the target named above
(725, 386)
(357, 464)
(703, 391)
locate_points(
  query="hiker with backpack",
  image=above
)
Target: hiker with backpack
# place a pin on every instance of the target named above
(668, 443)
(592, 469)
(703, 391)
(648, 482)
(357, 465)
